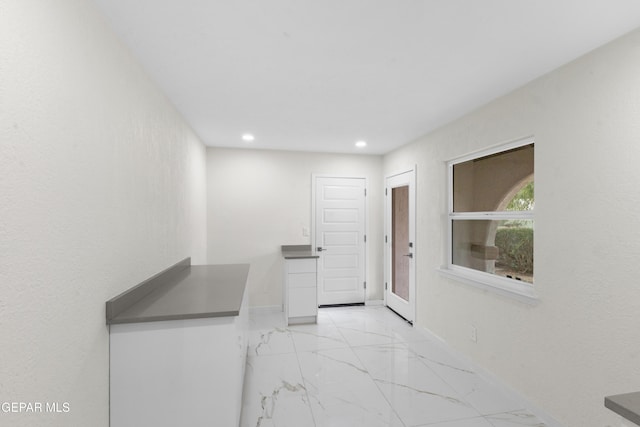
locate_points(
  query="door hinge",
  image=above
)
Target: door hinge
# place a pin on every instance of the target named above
(385, 239)
(365, 192)
(385, 192)
(365, 285)
(385, 286)
(365, 238)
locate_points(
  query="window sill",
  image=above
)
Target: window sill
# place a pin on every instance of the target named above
(522, 292)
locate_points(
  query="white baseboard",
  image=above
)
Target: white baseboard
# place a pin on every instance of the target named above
(543, 415)
(374, 302)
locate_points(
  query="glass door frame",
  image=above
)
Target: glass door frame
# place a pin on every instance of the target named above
(406, 309)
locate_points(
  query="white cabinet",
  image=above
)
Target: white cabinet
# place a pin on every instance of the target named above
(301, 295)
(171, 373)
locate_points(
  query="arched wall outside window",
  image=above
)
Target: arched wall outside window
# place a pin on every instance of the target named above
(502, 206)
(513, 239)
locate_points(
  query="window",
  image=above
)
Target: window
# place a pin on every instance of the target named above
(491, 223)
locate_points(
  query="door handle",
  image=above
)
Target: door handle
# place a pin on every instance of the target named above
(320, 249)
(410, 255)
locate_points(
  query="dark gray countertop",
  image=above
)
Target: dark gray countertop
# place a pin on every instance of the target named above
(297, 251)
(625, 405)
(183, 292)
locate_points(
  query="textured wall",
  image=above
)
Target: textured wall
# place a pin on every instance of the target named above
(102, 184)
(260, 200)
(582, 341)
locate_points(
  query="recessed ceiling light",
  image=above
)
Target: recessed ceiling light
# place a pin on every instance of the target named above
(248, 137)
(361, 144)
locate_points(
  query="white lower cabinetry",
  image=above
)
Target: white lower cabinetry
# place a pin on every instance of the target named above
(178, 372)
(301, 295)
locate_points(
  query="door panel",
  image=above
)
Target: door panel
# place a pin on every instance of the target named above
(341, 284)
(340, 216)
(344, 238)
(339, 233)
(340, 261)
(340, 192)
(400, 244)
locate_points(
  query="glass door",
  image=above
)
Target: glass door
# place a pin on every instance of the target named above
(400, 244)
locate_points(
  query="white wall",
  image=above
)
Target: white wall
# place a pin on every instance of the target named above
(260, 200)
(102, 184)
(582, 341)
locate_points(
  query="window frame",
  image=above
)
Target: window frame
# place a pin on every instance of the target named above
(512, 288)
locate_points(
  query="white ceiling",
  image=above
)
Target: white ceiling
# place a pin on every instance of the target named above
(317, 75)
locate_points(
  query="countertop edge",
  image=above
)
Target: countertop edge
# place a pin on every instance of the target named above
(301, 257)
(169, 317)
(297, 252)
(613, 403)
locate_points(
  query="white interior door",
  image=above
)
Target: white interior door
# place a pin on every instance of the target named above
(339, 238)
(400, 244)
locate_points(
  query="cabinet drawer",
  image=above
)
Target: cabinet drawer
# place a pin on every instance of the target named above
(302, 280)
(307, 265)
(302, 302)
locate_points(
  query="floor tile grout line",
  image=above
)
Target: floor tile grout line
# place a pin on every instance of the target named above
(459, 393)
(405, 344)
(351, 347)
(449, 353)
(420, 351)
(402, 342)
(304, 383)
(376, 384)
(444, 380)
(313, 415)
(437, 423)
(487, 416)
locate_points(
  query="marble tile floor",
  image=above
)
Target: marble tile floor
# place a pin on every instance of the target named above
(364, 367)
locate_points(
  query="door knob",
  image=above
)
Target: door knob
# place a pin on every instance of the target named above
(410, 255)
